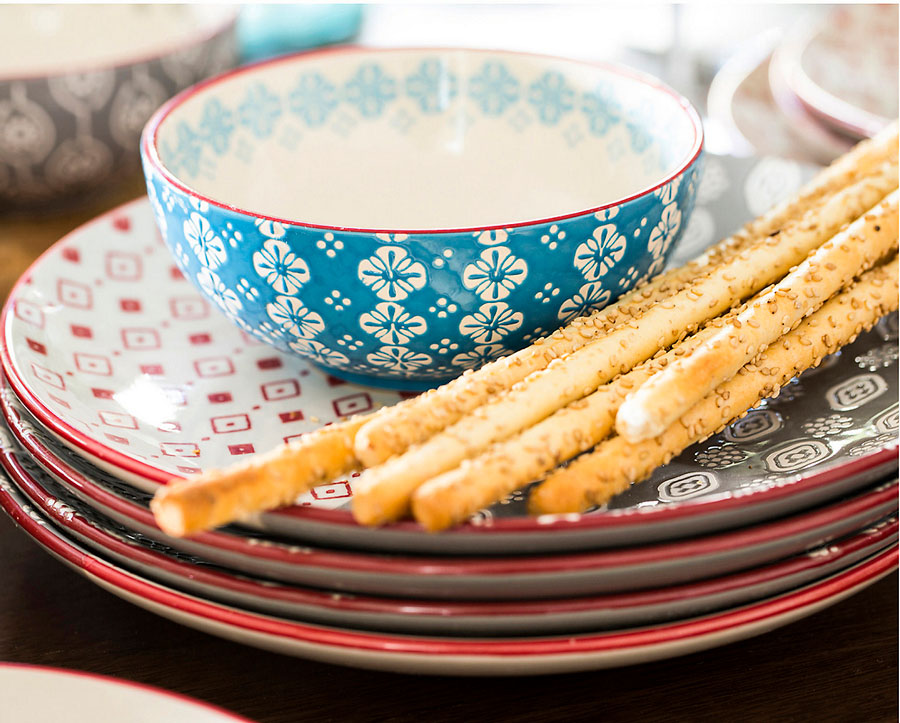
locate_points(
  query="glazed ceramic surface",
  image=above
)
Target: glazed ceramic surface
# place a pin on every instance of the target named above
(83, 516)
(846, 69)
(79, 82)
(447, 656)
(400, 216)
(38, 694)
(112, 350)
(483, 578)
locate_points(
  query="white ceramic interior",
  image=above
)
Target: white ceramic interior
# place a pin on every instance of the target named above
(425, 139)
(38, 40)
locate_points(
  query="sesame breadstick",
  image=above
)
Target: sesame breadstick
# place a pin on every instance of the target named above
(508, 465)
(394, 431)
(263, 482)
(670, 393)
(594, 478)
(383, 493)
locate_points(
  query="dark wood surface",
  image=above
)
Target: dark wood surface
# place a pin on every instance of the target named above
(838, 665)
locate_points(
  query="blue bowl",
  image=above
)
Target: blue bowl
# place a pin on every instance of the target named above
(400, 216)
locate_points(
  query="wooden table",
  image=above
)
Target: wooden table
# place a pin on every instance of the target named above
(839, 665)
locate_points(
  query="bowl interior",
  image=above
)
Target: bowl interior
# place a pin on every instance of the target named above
(38, 40)
(425, 139)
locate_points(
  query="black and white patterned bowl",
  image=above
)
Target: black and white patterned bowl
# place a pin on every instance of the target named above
(78, 83)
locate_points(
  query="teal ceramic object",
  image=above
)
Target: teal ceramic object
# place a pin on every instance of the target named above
(266, 30)
(400, 216)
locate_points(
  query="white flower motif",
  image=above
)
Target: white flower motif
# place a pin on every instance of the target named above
(319, 352)
(282, 269)
(589, 298)
(290, 314)
(392, 324)
(207, 247)
(491, 322)
(596, 256)
(225, 298)
(391, 273)
(607, 214)
(398, 358)
(663, 233)
(667, 192)
(479, 356)
(496, 273)
(270, 229)
(492, 238)
(199, 204)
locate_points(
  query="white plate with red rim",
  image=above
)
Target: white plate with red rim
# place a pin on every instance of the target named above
(448, 656)
(845, 69)
(468, 578)
(114, 353)
(135, 551)
(38, 694)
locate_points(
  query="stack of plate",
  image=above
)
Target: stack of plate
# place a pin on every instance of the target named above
(119, 376)
(811, 92)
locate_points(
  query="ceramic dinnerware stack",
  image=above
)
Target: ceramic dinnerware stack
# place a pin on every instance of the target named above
(121, 373)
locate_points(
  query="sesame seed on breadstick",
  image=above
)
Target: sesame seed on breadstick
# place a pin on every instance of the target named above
(263, 482)
(678, 387)
(595, 477)
(396, 430)
(382, 493)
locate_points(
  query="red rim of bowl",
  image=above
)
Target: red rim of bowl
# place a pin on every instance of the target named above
(844, 582)
(38, 495)
(150, 151)
(201, 36)
(545, 524)
(514, 565)
(225, 715)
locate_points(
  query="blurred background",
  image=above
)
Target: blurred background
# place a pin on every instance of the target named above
(77, 83)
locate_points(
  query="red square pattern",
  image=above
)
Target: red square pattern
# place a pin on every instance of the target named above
(197, 339)
(29, 313)
(36, 346)
(116, 438)
(175, 395)
(121, 266)
(188, 470)
(215, 367)
(179, 449)
(230, 423)
(284, 389)
(140, 339)
(272, 362)
(152, 369)
(189, 308)
(82, 332)
(175, 273)
(294, 416)
(332, 491)
(334, 381)
(60, 402)
(219, 397)
(102, 393)
(129, 305)
(353, 404)
(291, 437)
(118, 419)
(93, 364)
(169, 427)
(74, 294)
(71, 254)
(48, 377)
(241, 448)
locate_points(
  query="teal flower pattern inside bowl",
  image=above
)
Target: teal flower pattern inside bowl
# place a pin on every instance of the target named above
(400, 216)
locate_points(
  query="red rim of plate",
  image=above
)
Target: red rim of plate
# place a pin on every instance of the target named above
(823, 104)
(36, 493)
(547, 523)
(203, 35)
(151, 154)
(516, 565)
(835, 585)
(226, 715)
